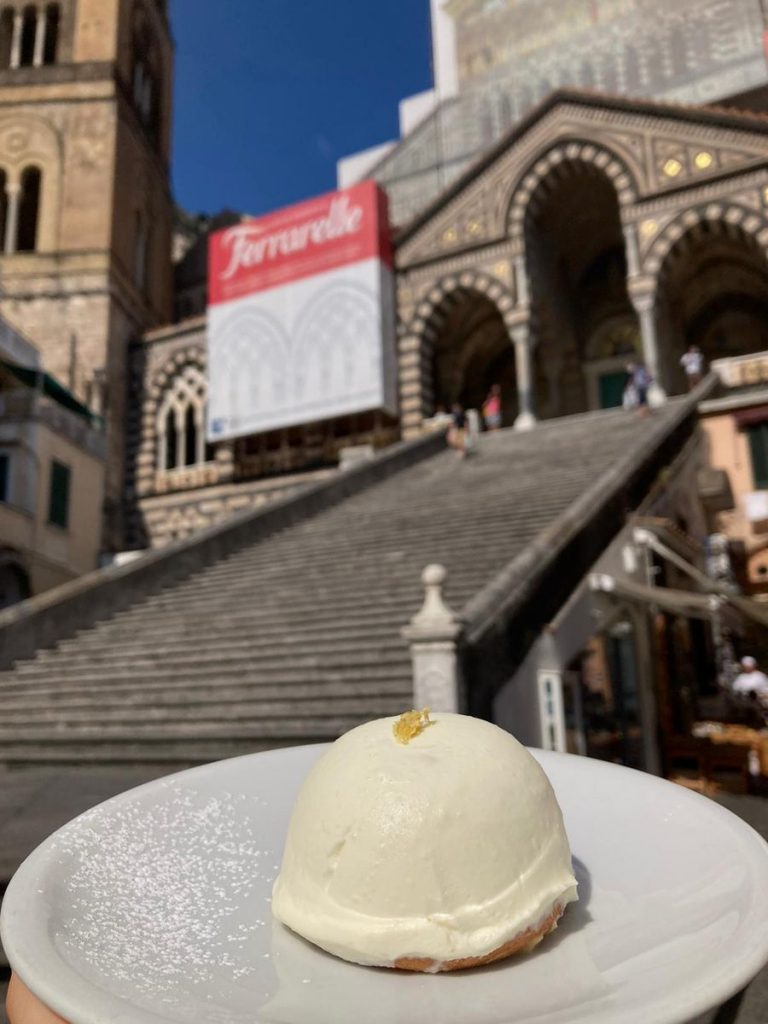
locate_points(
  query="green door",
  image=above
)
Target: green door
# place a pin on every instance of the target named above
(612, 389)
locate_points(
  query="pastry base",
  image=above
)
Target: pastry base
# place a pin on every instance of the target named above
(522, 943)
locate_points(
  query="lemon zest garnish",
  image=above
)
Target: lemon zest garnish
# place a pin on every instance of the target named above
(411, 724)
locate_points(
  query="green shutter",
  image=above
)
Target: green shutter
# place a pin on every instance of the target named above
(758, 444)
(58, 504)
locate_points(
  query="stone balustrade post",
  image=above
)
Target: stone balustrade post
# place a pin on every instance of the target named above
(434, 634)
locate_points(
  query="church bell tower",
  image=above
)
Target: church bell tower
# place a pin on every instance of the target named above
(85, 203)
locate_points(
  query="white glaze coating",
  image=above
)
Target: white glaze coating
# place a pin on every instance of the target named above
(446, 847)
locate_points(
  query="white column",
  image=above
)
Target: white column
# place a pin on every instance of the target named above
(13, 193)
(633, 256)
(521, 337)
(40, 29)
(18, 23)
(434, 634)
(645, 305)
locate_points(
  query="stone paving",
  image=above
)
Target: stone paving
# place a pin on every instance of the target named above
(34, 803)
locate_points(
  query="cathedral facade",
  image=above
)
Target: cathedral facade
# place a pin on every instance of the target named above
(597, 230)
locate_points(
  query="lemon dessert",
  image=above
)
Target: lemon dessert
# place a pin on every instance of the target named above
(427, 843)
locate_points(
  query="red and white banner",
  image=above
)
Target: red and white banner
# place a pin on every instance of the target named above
(301, 315)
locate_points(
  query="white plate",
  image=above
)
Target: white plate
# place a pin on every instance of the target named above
(154, 908)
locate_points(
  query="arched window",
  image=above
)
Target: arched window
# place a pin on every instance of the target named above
(506, 110)
(170, 451)
(6, 37)
(190, 437)
(146, 78)
(632, 72)
(51, 45)
(28, 36)
(587, 75)
(679, 51)
(181, 422)
(3, 208)
(140, 252)
(29, 210)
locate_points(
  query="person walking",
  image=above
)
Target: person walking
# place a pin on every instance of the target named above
(636, 391)
(457, 432)
(692, 363)
(492, 408)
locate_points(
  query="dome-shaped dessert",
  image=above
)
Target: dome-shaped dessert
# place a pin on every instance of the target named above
(428, 845)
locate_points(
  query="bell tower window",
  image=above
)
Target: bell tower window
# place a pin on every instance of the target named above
(3, 205)
(140, 252)
(29, 210)
(6, 37)
(146, 77)
(50, 43)
(28, 35)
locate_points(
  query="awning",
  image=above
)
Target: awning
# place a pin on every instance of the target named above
(751, 417)
(40, 381)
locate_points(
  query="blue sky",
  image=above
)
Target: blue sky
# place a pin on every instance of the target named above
(270, 93)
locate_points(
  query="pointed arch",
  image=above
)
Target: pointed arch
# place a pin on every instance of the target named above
(180, 416)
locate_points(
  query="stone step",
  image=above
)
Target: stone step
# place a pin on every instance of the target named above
(176, 753)
(318, 617)
(53, 687)
(335, 662)
(214, 711)
(292, 722)
(184, 648)
(16, 708)
(210, 658)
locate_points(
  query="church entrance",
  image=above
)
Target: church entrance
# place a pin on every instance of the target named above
(586, 327)
(713, 292)
(471, 352)
(611, 389)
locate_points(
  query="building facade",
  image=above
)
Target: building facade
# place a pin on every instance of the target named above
(735, 425)
(85, 207)
(52, 453)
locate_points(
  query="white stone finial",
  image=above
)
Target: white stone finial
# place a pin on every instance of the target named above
(434, 634)
(434, 613)
(434, 620)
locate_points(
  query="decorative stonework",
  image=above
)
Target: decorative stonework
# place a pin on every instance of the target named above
(753, 224)
(551, 165)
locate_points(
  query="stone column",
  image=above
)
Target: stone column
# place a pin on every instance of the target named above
(18, 25)
(40, 30)
(13, 194)
(645, 306)
(521, 337)
(434, 634)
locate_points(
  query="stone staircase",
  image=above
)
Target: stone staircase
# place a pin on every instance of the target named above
(295, 636)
